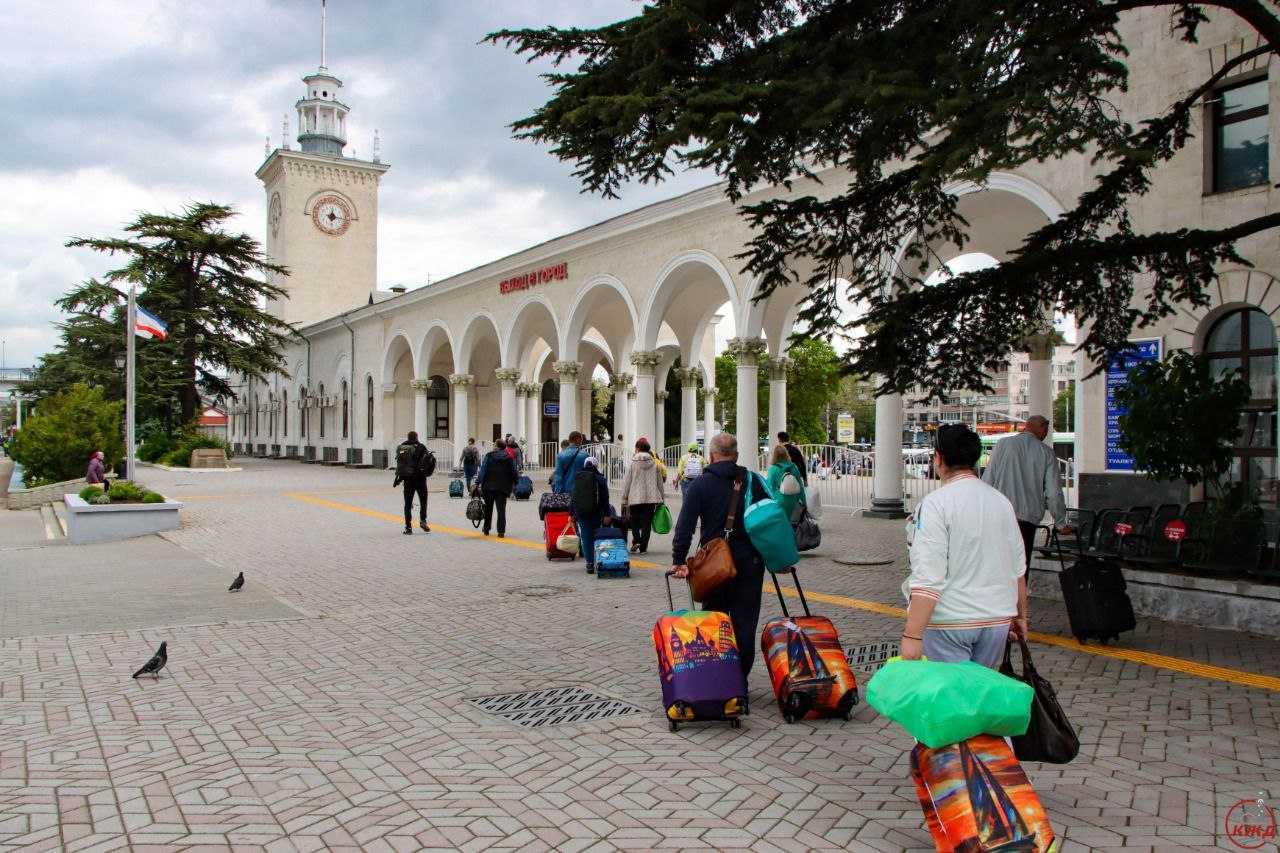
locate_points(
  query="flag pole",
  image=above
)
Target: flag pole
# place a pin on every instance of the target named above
(131, 334)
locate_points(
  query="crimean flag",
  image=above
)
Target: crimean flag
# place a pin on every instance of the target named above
(147, 325)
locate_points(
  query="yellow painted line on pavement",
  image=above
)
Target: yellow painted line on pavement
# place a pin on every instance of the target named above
(1152, 659)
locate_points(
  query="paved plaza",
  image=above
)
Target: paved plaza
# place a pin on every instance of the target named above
(326, 706)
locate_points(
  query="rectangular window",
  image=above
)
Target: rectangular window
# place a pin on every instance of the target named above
(1240, 136)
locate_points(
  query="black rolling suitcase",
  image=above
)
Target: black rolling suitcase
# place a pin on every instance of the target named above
(1096, 596)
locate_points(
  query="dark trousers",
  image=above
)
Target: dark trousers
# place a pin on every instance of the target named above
(415, 486)
(1028, 538)
(469, 471)
(587, 527)
(499, 500)
(641, 518)
(740, 598)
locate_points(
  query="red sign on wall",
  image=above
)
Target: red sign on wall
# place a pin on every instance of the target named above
(526, 280)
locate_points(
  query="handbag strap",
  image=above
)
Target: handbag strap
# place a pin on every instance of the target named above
(733, 503)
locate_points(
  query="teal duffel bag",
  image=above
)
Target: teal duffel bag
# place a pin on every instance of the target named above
(770, 530)
(944, 703)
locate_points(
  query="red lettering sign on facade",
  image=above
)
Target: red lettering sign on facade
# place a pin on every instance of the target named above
(532, 278)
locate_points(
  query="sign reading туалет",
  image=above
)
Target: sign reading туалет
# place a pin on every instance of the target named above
(1143, 349)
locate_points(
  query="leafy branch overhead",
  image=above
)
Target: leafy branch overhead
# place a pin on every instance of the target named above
(909, 100)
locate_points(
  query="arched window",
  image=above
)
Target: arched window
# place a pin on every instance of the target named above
(346, 410)
(271, 414)
(257, 415)
(368, 393)
(1245, 341)
(284, 413)
(305, 414)
(321, 394)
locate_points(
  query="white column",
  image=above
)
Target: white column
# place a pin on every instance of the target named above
(533, 416)
(660, 420)
(508, 376)
(778, 368)
(746, 351)
(522, 411)
(886, 487)
(620, 382)
(586, 403)
(567, 374)
(1040, 380)
(420, 387)
(708, 417)
(461, 419)
(688, 403)
(645, 361)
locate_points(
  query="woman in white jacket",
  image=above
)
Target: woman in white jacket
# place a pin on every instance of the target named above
(641, 493)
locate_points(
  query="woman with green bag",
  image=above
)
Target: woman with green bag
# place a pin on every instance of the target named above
(641, 495)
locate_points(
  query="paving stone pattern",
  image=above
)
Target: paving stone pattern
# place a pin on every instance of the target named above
(348, 724)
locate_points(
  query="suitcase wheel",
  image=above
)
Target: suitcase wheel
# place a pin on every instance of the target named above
(673, 725)
(795, 708)
(848, 715)
(735, 724)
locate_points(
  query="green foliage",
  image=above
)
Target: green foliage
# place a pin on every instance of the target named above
(125, 490)
(56, 442)
(908, 99)
(812, 382)
(192, 439)
(88, 492)
(100, 499)
(857, 396)
(1064, 409)
(155, 448)
(1181, 420)
(198, 278)
(153, 498)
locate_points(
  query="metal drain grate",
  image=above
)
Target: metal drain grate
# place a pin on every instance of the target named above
(557, 706)
(872, 656)
(538, 591)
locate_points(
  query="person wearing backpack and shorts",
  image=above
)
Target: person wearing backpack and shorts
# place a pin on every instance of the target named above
(414, 463)
(470, 462)
(590, 508)
(689, 468)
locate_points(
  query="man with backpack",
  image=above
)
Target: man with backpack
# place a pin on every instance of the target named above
(470, 462)
(689, 468)
(414, 464)
(568, 464)
(496, 481)
(590, 508)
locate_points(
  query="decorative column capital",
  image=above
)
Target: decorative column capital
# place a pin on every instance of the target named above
(746, 351)
(521, 391)
(568, 371)
(619, 382)
(530, 389)
(420, 386)
(645, 360)
(779, 367)
(661, 396)
(462, 380)
(631, 392)
(709, 394)
(1040, 345)
(508, 376)
(688, 376)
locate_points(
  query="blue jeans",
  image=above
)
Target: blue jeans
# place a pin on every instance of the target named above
(469, 471)
(684, 488)
(587, 527)
(957, 645)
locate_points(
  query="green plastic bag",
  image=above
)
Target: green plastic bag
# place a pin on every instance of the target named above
(662, 520)
(944, 703)
(769, 530)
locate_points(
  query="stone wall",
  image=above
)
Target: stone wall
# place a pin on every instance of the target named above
(28, 498)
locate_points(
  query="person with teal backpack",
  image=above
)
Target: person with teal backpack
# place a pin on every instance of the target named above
(768, 527)
(785, 480)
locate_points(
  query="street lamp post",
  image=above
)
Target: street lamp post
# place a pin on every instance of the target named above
(131, 329)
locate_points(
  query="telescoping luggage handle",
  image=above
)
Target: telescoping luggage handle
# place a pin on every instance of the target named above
(791, 571)
(671, 601)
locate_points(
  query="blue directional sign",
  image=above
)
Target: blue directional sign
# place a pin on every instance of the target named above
(1141, 349)
(550, 410)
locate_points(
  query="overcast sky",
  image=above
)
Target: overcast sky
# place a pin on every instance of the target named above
(112, 108)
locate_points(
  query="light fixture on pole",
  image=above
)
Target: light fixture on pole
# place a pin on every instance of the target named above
(131, 331)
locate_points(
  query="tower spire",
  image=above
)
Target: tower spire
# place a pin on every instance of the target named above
(323, 15)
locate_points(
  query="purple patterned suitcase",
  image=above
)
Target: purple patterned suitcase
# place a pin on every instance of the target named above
(699, 666)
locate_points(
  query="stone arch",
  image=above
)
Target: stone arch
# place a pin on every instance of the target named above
(436, 337)
(687, 292)
(588, 312)
(534, 319)
(1235, 288)
(475, 331)
(397, 345)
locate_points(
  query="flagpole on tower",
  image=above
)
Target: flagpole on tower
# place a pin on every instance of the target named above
(323, 10)
(130, 333)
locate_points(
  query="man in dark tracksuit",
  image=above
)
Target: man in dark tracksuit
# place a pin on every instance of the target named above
(707, 504)
(415, 482)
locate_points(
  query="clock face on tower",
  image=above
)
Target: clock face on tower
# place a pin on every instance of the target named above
(331, 215)
(274, 214)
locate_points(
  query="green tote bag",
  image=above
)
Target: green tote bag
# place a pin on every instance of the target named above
(770, 531)
(662, 520)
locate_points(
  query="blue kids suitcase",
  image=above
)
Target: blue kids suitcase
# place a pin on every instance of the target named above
(455, 488)
(612, 560)
(524, 488)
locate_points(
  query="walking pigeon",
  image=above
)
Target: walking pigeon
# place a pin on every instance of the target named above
(237, 583)
(157, 662)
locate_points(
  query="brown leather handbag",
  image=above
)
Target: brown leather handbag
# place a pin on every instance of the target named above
(712, 566)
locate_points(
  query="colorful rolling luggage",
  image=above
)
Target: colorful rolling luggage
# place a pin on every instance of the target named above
(552, 502)
(456, 488)
(699, 666)
(553, 525)
(810, 674)
(611, 557)
(976, 798)
(524, 488)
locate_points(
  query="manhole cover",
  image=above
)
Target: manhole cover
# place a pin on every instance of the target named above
(872, 656)
(538, 591)
(557, 706)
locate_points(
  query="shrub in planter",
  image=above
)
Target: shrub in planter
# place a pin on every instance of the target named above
(153, 498)
(88, 492)
(125, 491)
(100, 499)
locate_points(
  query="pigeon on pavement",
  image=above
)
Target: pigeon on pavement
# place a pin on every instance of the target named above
(157, 662)
(237, 583)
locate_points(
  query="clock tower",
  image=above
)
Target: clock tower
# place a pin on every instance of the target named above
(322, 211)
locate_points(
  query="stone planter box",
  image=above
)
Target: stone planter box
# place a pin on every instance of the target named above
(89, 524)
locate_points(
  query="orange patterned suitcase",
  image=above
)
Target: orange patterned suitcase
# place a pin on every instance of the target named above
(977, 799)
(810, 674)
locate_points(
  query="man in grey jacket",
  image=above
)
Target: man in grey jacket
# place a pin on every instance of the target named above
(1025, 471)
